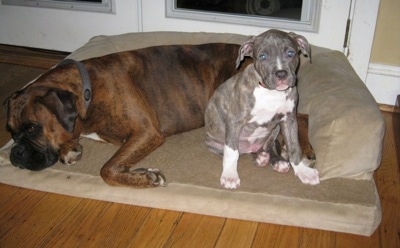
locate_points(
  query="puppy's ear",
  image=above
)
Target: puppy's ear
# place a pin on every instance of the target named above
(246, 49)
(302, 44)
(62, 104)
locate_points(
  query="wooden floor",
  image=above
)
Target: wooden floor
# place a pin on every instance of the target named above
(36, 219)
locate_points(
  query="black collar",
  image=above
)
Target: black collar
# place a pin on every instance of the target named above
(87, 89)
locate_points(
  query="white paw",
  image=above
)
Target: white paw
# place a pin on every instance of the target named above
(306, 174)
(262, 159)
(281, 166)
(230, 177)
(72, 157)
(230, 180)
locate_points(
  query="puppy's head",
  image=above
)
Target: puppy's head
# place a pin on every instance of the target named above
(39, 119)
(275, 55)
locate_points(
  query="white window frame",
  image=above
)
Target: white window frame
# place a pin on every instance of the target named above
(309, 17)
(106, 6)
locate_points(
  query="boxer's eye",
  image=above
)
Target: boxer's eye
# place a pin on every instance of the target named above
(290, 54)
(262, 56)
(30, 129)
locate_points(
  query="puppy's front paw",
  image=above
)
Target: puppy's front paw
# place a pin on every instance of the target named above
(306, 174)
(230, 180)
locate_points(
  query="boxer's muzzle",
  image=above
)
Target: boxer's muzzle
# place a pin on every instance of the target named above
(25, 156)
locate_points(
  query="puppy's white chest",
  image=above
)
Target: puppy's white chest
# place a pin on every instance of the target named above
(269, 103)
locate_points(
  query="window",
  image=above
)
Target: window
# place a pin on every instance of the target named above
(86, 5)
(302, 15)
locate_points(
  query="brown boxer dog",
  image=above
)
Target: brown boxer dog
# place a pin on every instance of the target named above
(134, 99)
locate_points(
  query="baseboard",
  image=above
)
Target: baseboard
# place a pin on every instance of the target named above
(30, 56)
(389, 108)
(385, 70)
(384, 82)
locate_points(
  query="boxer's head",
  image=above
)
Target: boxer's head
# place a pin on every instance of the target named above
(40, 120)
(275, 56)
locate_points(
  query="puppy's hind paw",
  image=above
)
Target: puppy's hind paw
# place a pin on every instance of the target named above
(281, 166)
(262, 159)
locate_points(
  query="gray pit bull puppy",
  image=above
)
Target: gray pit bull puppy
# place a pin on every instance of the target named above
(247, 111)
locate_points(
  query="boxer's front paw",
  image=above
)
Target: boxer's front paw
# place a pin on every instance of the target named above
(281, 166)
(70, 157)
(148, 177)
(230, 180)
(306, 174)
(262, 159)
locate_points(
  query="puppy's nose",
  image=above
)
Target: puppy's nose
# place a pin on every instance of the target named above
(281, 74)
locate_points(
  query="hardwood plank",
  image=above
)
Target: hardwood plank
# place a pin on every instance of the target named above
(237, 233)
(116, 226)
(73, 230)
(17, 210)
(388, 184)
(317, 238)
(44, 215)
(345, 240)
(194, 230)
(277, 236)
(156, 228)
(7, 193)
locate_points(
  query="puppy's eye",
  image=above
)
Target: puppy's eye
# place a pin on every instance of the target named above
(262, 56)
(290, 54)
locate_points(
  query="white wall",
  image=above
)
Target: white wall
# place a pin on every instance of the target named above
(66, 30)
(63, 30)
(384, 82)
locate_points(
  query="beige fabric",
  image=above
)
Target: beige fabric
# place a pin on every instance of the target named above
(341, 205)
(345, 129)
(102, 45)
(346, 126)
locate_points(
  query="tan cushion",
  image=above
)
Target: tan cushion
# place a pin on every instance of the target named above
(346, 127)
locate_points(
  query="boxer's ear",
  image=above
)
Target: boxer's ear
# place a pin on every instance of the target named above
(246, 49)
(62, 104)
(7, 102)
(302, 44)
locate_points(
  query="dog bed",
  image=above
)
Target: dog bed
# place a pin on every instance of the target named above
(345, 128)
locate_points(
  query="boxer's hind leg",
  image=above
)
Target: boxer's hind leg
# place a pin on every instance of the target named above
(120, 169)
